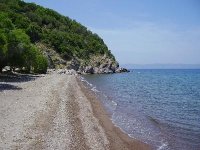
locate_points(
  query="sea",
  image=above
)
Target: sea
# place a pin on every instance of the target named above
(158, 107)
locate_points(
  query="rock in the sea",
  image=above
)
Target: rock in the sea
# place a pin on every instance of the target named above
(107, 71)
(120, 70)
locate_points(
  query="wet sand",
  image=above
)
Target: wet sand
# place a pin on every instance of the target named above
(56, 112)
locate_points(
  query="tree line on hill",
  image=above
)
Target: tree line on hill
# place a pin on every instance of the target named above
(22, 25)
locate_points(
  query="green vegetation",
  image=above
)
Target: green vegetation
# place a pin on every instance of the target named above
(22, 25)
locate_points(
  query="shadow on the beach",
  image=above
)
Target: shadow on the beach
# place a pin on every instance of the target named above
(17, 77)
(9, 87)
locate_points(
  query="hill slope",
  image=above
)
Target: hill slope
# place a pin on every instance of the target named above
(28, 29)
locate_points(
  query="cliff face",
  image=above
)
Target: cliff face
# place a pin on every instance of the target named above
(96, 64)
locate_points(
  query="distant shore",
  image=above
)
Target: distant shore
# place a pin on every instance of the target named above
(56, 112)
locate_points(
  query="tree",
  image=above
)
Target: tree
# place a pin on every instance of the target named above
(21, 21)
(34, 31)
(3, 50)
(18, 43)
(5, 22)
(34, 60)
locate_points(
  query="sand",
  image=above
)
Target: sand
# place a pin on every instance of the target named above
(56, 112)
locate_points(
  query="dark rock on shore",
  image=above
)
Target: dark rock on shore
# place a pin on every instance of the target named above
(106, 70)
(89, 69)
(120, 70)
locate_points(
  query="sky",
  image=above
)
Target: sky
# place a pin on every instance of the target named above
(140, 31)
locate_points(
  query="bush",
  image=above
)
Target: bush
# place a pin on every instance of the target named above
(35, 61)
(18, 44)
(40, 64)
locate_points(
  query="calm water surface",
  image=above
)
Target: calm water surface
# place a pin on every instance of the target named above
(159, 107)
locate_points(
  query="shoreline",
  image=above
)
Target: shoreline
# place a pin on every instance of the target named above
(56, 111)
(119, 139)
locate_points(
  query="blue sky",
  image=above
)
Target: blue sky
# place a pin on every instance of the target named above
(140, 31)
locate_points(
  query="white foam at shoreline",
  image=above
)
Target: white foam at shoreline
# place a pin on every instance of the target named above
(164, 146)
(114, 103)
(84, 80)
(94, 89)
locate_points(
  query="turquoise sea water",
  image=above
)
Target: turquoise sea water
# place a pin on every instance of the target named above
(159, 107)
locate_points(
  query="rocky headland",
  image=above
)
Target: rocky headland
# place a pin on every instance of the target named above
(96, 64)
(34, 39)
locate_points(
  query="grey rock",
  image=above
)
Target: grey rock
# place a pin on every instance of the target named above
(75, 64)
(61, 71)
(107, 71)
(103, 65)
(120, 70)
(72, 72)
(96, 70)
(89, 69)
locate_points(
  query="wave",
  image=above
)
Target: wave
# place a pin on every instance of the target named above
(85, 81)
(110, 104)
(114, 103)
(154, 120)
(94, 89)
(164, 146)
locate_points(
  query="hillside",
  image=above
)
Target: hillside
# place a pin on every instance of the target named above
(33, 38)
